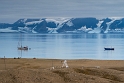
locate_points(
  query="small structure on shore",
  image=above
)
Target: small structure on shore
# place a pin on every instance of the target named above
(65, 64)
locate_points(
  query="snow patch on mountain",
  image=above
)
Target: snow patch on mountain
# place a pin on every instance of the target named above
(52, 30)
(33, 31)
(99, 23)
(61, 20)
(51, 20)
(24, 20)
(33, 22)
(108, 25)
(115, 18)
(84, 29)
(98, 29)
(7, 30)
(69, 23)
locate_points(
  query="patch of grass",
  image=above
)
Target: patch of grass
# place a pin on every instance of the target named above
(101, 74)
(118, 68)
(35, 67)
(63, 75)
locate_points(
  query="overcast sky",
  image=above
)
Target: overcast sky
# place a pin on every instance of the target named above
(12, 10)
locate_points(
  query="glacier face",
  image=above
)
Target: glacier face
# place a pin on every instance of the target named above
(65, 25)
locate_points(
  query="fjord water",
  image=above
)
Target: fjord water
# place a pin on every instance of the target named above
(63, 46)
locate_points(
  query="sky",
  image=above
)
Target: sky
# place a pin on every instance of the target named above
(12, 10)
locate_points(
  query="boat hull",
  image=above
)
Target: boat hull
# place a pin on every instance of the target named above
(109, 48)
(22, 48)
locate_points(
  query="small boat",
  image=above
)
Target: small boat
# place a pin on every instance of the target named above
(109, 48)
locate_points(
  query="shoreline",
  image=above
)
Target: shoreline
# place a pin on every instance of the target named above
(58, 58)
(39, 63)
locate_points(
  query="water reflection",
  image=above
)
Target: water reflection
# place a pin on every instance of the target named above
(61, 46)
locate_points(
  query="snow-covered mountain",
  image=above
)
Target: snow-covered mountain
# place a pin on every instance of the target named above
(65, 25)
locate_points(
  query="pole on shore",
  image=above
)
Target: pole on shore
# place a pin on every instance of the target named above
(5, 62)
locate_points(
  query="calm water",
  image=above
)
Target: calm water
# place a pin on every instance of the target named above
(63, 46)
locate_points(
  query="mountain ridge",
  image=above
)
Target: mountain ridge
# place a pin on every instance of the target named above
(65, 25)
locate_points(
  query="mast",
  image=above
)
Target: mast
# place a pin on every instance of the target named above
(21, 40)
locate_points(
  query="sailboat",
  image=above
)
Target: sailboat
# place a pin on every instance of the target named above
(23, 48)
(20, 47)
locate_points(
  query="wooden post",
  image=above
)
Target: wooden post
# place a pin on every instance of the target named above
(52, 64)
(5, 62)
